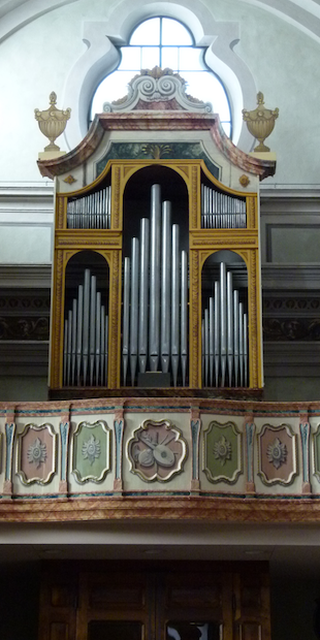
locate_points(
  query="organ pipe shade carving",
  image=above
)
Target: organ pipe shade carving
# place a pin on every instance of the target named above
(155, 298)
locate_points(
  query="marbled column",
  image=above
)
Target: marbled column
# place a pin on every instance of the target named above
(305, 446)
(64, 429)
(195, 425)
(10, 429)
(118, 426)
(250, 428)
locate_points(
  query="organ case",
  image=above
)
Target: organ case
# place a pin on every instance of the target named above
(99, 276)
(156, 275)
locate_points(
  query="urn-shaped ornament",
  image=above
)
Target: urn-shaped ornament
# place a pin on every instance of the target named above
(52, 122)
(260, 122)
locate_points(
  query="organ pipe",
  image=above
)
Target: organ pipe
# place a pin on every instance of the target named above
(92, 211)
(175, 303)
(154, 326)
(144, 291)
(224, 335)
(221, 211)
(165, 286)
(134, 308)
(86, 337)
(158, 300)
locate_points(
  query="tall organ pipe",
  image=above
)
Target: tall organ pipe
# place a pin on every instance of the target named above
(223, 321)
(217, 330)
(230, 325)
(74, 340)
(211, 340)
(98, 335)
(154, 326)
(86, 315)
(165, 286)
(143, 299)
(241, 342)
(79, 333)
(236, 335)
(175, 303)
(125, 330)
(102, 348)
(92, 325)
(134, 309)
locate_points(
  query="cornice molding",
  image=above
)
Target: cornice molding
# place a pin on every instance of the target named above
(297, 277)
(290, 510)
(36, 276)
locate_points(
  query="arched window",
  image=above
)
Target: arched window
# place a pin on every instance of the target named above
(166, 43)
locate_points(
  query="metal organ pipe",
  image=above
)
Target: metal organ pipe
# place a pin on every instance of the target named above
(144, 290)
(134, 308)
(158, 299)
(154, 326)
(221, 211)
(165, 286)
(175, 303)
(224, 336)
(86, 337)
(92, 211)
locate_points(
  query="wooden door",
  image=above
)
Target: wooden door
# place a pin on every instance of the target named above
(165, 601)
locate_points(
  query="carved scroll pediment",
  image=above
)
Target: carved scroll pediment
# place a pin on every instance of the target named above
(157, 89)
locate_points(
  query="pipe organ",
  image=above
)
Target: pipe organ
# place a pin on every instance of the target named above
(156, 269)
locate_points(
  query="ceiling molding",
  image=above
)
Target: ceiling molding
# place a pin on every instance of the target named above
(302, 14)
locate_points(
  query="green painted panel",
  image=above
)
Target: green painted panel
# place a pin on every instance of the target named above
(172, 151)
(91, 452)
(222, 451)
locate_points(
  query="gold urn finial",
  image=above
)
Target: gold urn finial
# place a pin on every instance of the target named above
(260, 122)
(52, 122)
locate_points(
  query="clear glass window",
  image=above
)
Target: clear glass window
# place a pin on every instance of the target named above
(166, 43)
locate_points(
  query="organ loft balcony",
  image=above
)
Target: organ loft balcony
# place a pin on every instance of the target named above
(156, 376)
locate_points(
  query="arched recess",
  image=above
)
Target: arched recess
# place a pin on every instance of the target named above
(224, 323)
(102, 57)
(155, 282)
(85, 344)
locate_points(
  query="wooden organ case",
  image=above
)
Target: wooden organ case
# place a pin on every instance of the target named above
(156, 275)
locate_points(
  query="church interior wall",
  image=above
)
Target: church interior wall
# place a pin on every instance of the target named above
(282, 60)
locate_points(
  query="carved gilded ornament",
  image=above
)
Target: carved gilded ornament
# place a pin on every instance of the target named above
(70, 179)
(244, 180)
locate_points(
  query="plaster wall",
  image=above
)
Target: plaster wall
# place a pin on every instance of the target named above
(39, 57)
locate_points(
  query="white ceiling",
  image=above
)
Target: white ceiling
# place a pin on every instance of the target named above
(290, 549)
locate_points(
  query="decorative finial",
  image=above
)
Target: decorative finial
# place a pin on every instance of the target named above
(260, 122)
(52, 122)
